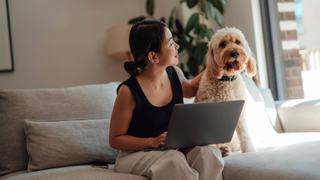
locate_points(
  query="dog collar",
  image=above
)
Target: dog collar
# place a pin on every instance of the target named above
(227, 78)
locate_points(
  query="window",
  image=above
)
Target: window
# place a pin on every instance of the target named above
(292, 46)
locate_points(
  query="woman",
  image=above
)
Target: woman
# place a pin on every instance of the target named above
(143, 107)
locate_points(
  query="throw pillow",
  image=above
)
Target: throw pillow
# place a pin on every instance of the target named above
(61, 143)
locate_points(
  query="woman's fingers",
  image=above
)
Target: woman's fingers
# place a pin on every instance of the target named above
(163, 136)
(159, 141)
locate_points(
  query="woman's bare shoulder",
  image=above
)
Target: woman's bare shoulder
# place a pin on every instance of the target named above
(180, 74)
(125, 93)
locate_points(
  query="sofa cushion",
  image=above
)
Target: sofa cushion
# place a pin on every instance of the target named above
(284, 156)
(299, 115)
(71, 142)
(83, 172)
(82, 102)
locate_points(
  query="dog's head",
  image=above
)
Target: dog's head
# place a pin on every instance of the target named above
(229, 54)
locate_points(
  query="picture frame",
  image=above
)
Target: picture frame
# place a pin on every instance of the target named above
(6, 55)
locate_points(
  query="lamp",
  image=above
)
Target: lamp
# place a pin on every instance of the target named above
(118, 42)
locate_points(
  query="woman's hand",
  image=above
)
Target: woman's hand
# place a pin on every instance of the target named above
(159, 141)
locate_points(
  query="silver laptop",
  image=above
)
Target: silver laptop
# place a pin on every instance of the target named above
(201, 124)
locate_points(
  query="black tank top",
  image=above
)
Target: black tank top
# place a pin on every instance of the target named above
(148, 120)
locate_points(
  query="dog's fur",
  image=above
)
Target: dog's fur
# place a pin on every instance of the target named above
(219, 63)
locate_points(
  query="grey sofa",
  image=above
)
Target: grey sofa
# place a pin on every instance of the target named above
(57, 133)
(292, 151)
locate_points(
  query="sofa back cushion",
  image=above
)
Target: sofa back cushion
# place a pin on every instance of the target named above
(299, 115)
(82, 102)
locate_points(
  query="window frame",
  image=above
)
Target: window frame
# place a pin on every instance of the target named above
(273, 49)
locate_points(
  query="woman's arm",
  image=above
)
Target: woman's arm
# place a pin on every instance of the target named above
(120, 120)
(189, 88)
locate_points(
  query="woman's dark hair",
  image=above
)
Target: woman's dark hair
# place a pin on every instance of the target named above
(145, 36)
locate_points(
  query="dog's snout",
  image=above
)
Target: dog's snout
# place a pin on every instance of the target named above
(234, 53)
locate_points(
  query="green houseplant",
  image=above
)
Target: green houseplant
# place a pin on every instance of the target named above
(195, 35)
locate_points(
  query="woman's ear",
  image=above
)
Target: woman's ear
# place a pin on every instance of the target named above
(212, 67)
(153, 57)
(251, 66)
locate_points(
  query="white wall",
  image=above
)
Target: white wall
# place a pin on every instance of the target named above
(246, 16)
(59, 43)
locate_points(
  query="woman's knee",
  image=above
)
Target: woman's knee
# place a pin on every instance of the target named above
(174, 155)
(214, 152)
(209, 149)
(174, 159)
(206, 152)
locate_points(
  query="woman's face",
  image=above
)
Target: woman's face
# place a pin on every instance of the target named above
(169, 55)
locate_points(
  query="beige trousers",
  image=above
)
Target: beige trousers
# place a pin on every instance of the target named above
(198, 163)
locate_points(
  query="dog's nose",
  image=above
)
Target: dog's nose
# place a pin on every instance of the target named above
(234, 53)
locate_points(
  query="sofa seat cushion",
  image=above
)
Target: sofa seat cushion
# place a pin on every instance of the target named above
(83, 172)
(285, 140)
(284, 156)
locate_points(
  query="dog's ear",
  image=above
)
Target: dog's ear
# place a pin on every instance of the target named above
(251, 66)
(212, 67)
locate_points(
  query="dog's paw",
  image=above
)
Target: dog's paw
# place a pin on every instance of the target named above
(225, 150)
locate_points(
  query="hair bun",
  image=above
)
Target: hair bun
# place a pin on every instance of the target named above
(131, 67)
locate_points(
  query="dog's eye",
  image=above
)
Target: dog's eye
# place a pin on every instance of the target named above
(237, 41)
(223, 44)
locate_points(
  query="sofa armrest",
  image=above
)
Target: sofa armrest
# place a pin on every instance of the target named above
(299, 115)
(271, 109)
